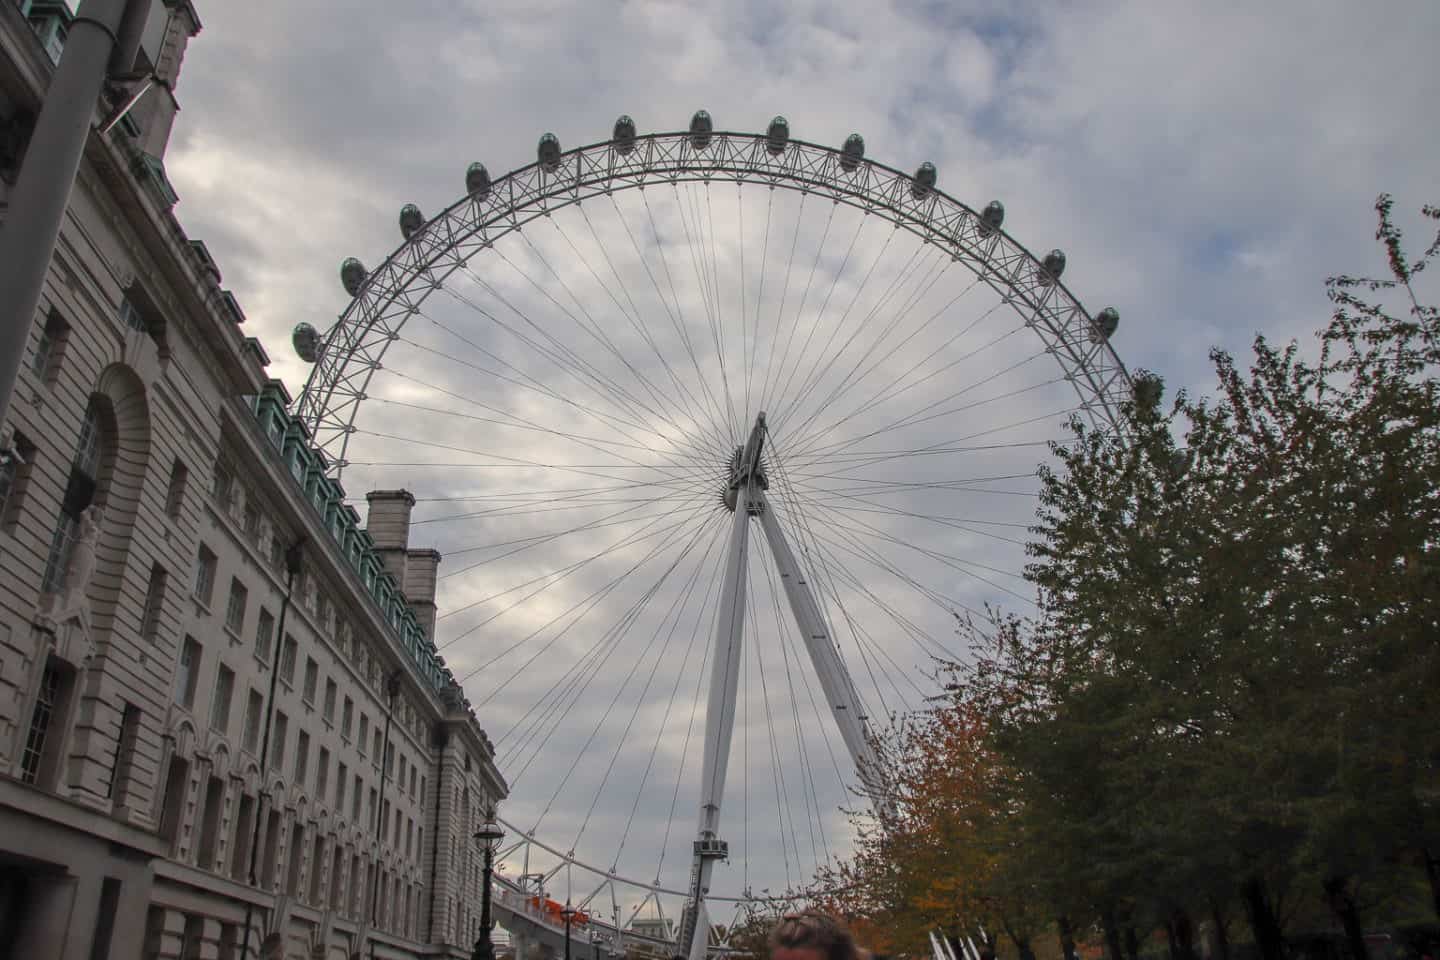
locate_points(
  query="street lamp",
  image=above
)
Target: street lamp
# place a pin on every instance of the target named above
(568, 915)
(488, 836)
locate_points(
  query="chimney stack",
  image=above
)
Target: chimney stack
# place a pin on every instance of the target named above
(420, 570)
(415, 570)
(388, 524)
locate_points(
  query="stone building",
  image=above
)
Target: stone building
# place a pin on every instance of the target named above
(220, 698)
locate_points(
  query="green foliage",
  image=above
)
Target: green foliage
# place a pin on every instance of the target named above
(1231, 681)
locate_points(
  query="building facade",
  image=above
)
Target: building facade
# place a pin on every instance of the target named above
(223, 718)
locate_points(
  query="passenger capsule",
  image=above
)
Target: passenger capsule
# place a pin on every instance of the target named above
(477, 181)
(923, 181)
(307, 342)
(353, 276)
(777, 136)
(624, 135)
(852, 153)
(701, 127)
(1107, 321)
(991, 217)
(548, 152)
(1052, 266)
(411, 220)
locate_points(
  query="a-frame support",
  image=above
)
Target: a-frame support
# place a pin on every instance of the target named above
(746, 496)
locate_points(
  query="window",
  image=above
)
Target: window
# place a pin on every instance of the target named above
(340, 773)
(370, 810)
(264, 630)
(322, 775)
(312, 680)
(210, 823)
(51, 348)
(82, 489)
(401, 781)
(331, 691)
(222, 487)
(302, 758)
(251, 523)
(177, 782)
(15, 461)
(220, 705)
(123, 768)
(389, 759)
(287, 660)
(254, 708)
(38, 741)
(346, 715)
(277, 740)
(412, 781)
(355, 799)
(205, 575)
(244, 831)
(277, 550)
(189, 672)
(235, 607)
(364, 734)
(376, 754)
(175, 496)
(154, 602)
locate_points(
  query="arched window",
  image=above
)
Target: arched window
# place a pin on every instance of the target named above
(84, 487)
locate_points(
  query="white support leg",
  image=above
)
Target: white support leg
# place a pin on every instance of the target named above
(719, 724)
(835, 680)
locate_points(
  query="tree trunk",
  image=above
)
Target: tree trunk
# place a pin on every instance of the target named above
(1067, 938)
(1222, 938)
(1171, 940)
(1112, 935)
(1342, 904)
(1132, 942)
(1432, 872)
(1268, 939)
(1184, 929)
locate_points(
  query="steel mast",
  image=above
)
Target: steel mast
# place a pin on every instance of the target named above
(745, 495)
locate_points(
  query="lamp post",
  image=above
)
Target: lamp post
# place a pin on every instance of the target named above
(568, 915)
(488, 837)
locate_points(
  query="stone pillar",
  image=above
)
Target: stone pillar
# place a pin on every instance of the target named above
(209, 939)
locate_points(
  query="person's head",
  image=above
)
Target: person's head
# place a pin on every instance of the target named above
(811, 936)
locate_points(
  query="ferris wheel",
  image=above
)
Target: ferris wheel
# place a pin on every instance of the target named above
(718, 434)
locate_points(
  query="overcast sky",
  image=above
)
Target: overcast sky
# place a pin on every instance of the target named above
(1204, 167)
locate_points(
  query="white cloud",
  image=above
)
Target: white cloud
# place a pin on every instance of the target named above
(1204, 168)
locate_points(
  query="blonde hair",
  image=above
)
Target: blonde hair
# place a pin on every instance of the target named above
(813, 930)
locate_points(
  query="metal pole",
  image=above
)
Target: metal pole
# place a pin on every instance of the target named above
(292, 567)
(834, 678)
(47, 175)
(746, 481)
(485, 947)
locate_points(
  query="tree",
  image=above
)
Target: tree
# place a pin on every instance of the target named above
(1228, 689)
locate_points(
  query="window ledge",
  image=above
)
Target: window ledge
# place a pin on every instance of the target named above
(235, 638)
